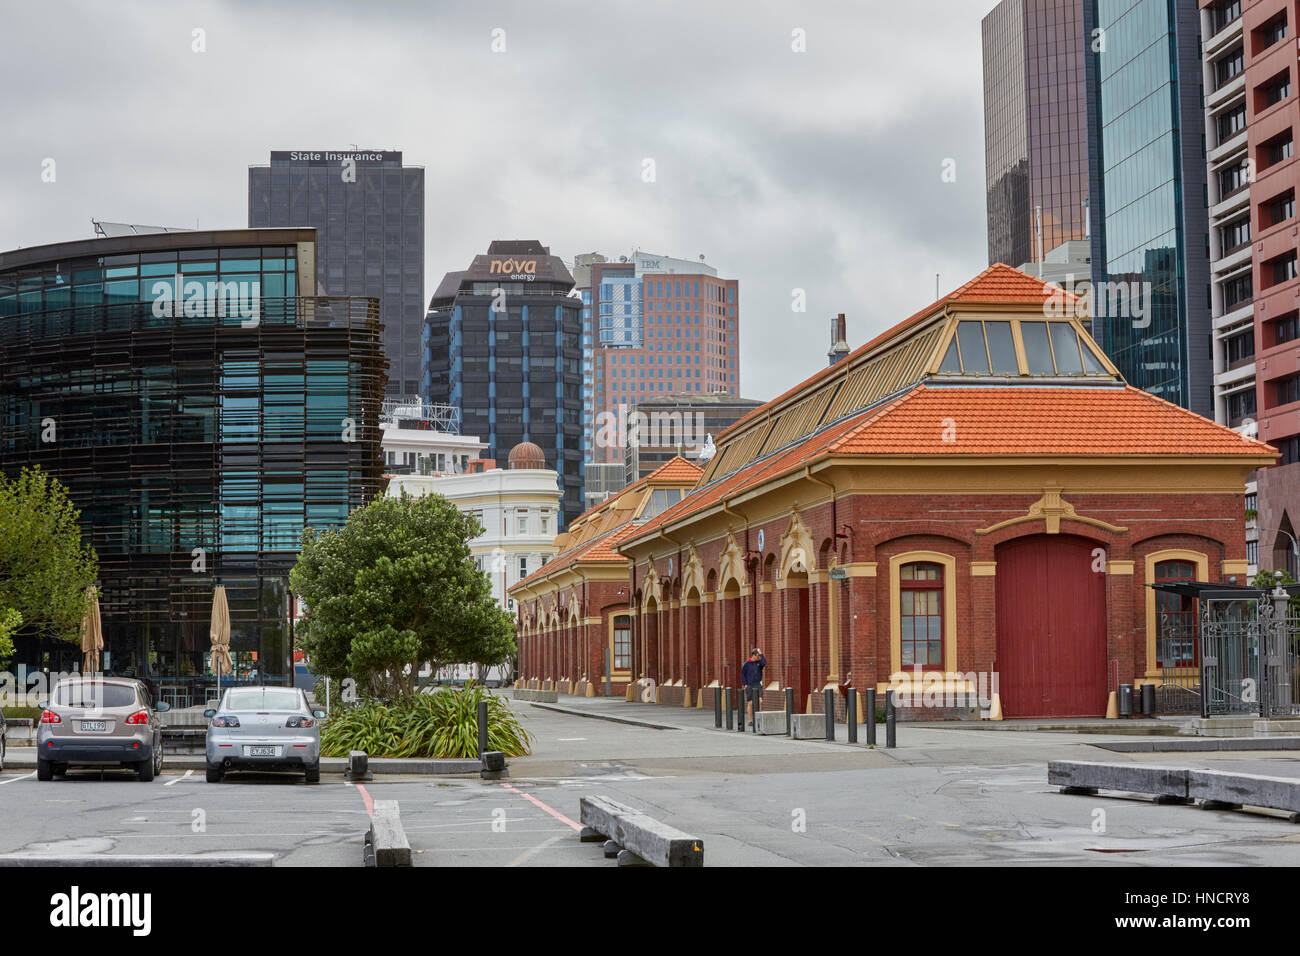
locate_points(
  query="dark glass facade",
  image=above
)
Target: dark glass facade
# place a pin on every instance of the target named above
(368, 212)
(1150, 225)
(503, 343)
(198, 439)
(1034, 127)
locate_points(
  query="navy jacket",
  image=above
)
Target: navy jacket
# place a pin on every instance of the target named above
(752, 672)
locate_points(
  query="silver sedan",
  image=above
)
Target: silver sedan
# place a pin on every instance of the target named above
(263, 728)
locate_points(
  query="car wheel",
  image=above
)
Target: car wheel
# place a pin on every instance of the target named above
(60, 769)
(313, 774)
(215, 774)
(2, 753)
(158, 760)
(44, 769)
(145, 769)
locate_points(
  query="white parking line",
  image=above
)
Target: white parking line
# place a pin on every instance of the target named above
(23, 777)
(529, 854)
(186, 776)
(568, 739)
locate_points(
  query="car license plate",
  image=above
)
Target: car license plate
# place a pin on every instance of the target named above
(94, 725)
(263, 751)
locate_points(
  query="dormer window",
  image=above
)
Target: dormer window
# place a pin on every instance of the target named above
(989, 348)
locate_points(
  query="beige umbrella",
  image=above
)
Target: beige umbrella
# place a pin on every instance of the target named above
(92, 633)
(219, 635)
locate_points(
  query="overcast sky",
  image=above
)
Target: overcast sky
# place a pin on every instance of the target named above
(819, 170)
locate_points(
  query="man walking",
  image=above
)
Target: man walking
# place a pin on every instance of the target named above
(751, 675)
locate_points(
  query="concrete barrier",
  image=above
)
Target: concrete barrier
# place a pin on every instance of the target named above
(537, 696)
(643, 839)
(1223, 790)
(772, 722)
(1168, 784)
(386, 843)
(806, 726)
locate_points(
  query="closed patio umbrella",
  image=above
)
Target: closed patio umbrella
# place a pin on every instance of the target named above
(92, 633)
(219, 635)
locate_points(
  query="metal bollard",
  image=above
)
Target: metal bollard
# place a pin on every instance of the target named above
(869, 704)
(891, 739)
(717, 706)
(789, 708)
(851, 714)
(482, 730)
(730, 712)
(830, 714)
(1148, 700)
(741, 696)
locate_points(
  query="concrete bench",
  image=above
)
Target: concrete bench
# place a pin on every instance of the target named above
(386, 843)
(641, 839)
(1168, 784)
(807, 726)
(1220, 790)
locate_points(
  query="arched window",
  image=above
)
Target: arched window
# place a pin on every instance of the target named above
(622, 643)
(1176, 644)
(921, 614)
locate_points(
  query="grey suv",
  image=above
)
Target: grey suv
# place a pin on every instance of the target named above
(99, 721)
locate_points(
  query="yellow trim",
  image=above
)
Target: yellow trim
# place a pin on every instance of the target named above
(1120, 567)
(1051, 508)
(860, 569)
(949, 564)
(1202, 574)
(616, 672)
(983, 569)
(1237, 567)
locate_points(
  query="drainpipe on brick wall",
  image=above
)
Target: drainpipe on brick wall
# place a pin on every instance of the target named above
(753, 586)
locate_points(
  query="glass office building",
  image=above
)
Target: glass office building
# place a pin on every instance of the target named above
(1035, 128)
(368, 212)
(205, 406)
(1150, 239)
(503, 343)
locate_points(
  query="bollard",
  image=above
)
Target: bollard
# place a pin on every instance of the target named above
(482, 730)
(869, 705)
(741, 694)
(717, 706)
(1126, 700)
(891, 739)
(608, 678)
(851, 714)
(830, 714)
(731, 714)
(789, 708)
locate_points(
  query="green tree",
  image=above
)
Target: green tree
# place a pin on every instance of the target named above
(45, 567)
(396, 588)
(10, 620)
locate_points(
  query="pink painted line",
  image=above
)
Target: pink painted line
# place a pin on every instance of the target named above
(368, 800)
(537, 803)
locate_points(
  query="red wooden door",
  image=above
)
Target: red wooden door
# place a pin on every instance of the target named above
(1051, 628)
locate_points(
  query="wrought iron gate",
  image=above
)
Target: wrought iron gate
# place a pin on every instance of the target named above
(1229, 656)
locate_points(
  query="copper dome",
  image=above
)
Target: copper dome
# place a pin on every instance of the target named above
(527, 455)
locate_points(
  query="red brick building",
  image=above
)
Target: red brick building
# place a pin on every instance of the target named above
(973, 495)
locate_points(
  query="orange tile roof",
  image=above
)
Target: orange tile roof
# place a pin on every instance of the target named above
(1003, 421)
(998, 283)
(599, 548)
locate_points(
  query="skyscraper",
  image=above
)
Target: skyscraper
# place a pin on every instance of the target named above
(663, 325)
(503, 343)
(1251, 114)
(1146, 156)
(368, 211)
(1035, 155)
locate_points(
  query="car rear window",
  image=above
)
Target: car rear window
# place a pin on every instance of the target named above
(94, 694)
(268, 698)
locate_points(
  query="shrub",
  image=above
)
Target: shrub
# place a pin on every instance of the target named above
(441, 724)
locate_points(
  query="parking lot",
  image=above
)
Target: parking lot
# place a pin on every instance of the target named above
(945, 797)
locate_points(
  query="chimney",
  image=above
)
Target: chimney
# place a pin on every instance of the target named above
(839, 346)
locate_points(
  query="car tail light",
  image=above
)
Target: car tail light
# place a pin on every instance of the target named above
(300, 722)
(139, 717)
(50, 717)
(227, 721)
